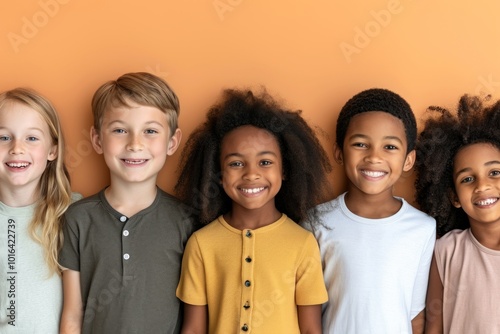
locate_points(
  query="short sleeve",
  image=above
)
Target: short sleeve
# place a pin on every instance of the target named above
(69, 256)
(310, 286)
(192, 283)
(422, 278)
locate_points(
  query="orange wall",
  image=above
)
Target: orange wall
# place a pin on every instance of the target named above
(313, 54)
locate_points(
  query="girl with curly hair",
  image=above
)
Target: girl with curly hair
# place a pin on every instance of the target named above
(458, 183)
(250, 172)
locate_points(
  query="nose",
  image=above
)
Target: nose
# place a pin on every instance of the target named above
(251, 173)
(135, 143)
(373, 156)
(482, 184)
(17, 147)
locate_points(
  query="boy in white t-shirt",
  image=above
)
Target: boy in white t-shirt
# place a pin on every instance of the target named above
(376, 248)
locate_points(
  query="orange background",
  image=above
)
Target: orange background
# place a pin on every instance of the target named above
(312, 54)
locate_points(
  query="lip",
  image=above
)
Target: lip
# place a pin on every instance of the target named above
(134, 162)
(17, 165)
(486, 202)
(373, 174)
(251, 191)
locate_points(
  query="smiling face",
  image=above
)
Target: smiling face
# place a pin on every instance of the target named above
(25, 147)
(374, 153)
(135, 141)
(476, 176)
(252, 168)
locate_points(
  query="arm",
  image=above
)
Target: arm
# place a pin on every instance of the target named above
(434, 302)
(195, 319)
(418, 323)
(309, 319)
(72, 313)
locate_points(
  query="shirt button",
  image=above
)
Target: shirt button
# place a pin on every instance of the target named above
(248, 234)
(247, 283)
(248, 259)
(126, 256)
(123, 219)
(246, 306)
(125, 233)
(244, 328)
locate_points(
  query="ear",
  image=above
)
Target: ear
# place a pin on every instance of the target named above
(454, 200)
(338, 155)
(409, 161)
(174, 142)
(52, 153)
(96, 140)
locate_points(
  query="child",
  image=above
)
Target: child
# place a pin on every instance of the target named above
(376, 248)
(34, 193)
(459, 184)
(252, 169)
(123, 245)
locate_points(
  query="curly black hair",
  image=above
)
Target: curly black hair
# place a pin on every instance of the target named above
(305, 162)
(444, 134)
(377, 99)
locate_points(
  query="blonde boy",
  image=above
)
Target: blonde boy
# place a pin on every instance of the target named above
(123, 245)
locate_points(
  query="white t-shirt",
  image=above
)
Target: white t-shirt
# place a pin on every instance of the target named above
(376, 270)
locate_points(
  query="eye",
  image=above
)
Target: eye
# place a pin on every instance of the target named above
(151, 131)
(495, 173)
(31, 138)
(361, 145)
(4, 138)
(391, 147)
(235, 164)
(266, 163)
(118, 131)
(467, 179)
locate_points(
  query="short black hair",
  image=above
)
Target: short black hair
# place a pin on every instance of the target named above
(305, 163)
(377, 99)
(445, 133)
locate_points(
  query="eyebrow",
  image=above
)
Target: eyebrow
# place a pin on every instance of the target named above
(239, 155)
(119, 121)
(488, 163)
(359, 135)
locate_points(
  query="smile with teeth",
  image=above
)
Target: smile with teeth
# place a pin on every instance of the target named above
(134, 162)
(487, 201)
(373, 173)
(252, 190)
(18, 164)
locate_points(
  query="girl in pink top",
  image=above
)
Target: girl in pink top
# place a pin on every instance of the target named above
(458, 163)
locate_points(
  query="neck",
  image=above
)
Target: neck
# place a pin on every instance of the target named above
(488, 235)
(18, 197)
(130, 199)
(243, 219)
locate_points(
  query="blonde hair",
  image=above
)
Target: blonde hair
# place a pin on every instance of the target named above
(142, 88)
(54, 186)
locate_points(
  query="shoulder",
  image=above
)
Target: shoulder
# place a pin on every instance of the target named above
(452, 238)
(328, 209)
(83, 204)
(414, 215)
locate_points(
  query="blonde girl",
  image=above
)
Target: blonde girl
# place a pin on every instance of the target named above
(34, 193)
